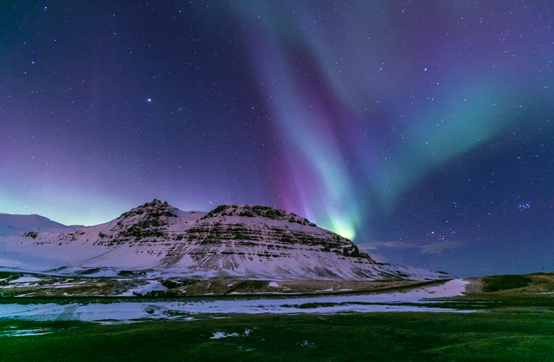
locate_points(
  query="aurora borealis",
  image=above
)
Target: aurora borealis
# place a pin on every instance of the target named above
(422, 130)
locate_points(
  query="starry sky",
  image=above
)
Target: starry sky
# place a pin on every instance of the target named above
(421, 130)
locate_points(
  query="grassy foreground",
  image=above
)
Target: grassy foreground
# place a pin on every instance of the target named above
(493, 336)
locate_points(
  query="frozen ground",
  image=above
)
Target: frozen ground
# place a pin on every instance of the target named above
(128, 311)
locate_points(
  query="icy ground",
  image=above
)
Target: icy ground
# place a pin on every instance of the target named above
(187, 308)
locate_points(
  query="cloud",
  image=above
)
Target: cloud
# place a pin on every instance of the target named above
(437, 248)
(434, 248)
(378, 257)
(365, 247)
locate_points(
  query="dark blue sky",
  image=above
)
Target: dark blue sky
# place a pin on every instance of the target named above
(420, 129)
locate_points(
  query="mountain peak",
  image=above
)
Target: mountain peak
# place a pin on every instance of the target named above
(257, 211)
(155, 208)
(147, 220)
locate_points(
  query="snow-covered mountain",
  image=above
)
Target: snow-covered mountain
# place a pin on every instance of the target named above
(254, 242)
(11, 225)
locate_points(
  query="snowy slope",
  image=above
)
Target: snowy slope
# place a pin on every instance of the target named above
(11, 225)
(255, 242)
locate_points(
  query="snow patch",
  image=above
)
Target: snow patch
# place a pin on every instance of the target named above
(219, 335)
(306, 344)
(25, 280)
(152, 285)
(451, 288)
(25, 332)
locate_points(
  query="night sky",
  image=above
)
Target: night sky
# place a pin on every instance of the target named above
(422, 130)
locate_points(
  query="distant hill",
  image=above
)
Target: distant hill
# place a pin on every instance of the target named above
(11, 225)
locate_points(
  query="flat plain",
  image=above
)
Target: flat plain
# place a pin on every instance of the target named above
(502, 335)
(512, 320)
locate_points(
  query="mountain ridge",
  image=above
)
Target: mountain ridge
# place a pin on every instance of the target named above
(14, 224)
(243, 241)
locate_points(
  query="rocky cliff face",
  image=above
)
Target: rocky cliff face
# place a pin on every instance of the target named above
(152, 222)
(256, 242)
(261, 240)
(272, 229)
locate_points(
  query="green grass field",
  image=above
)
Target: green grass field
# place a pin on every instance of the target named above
(509, 335)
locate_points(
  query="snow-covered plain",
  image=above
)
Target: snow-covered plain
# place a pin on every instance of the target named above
(187, 308)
